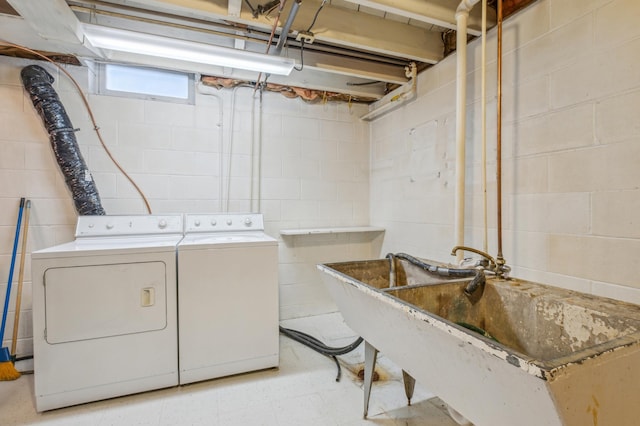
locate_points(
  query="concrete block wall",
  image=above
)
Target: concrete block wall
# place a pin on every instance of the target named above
(571, 95)
(315, 172)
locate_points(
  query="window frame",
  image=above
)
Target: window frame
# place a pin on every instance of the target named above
(101, 87)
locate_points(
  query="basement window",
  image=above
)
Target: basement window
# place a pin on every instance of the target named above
(145, 83)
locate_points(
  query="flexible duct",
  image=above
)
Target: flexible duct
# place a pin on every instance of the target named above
(38, 82)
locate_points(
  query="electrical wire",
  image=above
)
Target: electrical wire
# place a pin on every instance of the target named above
(96, 128)
(313, 22)
(320, 347)
(301, 56)
(23, 358)
(253, 10)
(265, 9)
(366, 83)
(315, 17)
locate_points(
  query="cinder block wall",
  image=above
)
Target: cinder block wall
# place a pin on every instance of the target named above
(315, 172)
(571, 146)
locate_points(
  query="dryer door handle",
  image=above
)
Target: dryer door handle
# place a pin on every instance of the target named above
(148, 297)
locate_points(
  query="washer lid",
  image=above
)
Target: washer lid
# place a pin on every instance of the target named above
(226, 239)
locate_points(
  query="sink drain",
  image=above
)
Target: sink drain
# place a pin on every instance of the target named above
(360, 375)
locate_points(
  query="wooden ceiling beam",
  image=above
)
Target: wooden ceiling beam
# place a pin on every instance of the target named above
(437, 12)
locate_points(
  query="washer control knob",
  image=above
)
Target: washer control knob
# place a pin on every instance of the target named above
(247, 221)
(213, 222)
(229, 222)
(110, 225)
(162, 224)
(196, 222)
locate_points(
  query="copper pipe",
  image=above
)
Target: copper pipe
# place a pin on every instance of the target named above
(500, 258)
(273, 32)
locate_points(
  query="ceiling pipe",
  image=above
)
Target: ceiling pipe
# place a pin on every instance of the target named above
(400, 96)
(462, 18)
(499, 258)
(485, 245)
(287, 27)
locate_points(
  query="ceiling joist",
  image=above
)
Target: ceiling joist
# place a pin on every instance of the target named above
(435, 12)
(350, 46)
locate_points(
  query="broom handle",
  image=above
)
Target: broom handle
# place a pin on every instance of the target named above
(14, 341)
(13, 262)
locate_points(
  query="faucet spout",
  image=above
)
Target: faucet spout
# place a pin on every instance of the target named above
(498, 266)
(492, 261)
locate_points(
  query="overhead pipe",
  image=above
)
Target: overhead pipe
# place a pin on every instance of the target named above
(462, 18)
(287, 27)
(485, 246)
(403, 94)
(284, 34)
(273, 33)
(499, 258)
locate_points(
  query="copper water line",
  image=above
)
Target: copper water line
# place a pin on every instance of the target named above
(499, 257)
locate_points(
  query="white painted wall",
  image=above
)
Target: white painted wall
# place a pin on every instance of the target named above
(571, 138)
(571, 189)
(315, 172)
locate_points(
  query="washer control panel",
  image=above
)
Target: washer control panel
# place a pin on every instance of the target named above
(223, 222)
(94, 226)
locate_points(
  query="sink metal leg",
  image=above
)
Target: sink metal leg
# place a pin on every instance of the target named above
(409, 385)
(370, 356)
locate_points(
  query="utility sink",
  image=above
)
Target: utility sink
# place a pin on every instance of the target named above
(543, 324)
(515, 352)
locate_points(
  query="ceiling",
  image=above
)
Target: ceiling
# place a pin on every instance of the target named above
(356, 47)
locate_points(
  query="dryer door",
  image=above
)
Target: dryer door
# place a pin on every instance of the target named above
(96, 301)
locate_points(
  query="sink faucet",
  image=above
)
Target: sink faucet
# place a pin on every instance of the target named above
(496, 266)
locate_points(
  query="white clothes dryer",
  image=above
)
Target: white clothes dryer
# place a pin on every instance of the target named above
(104, 310)
(227, 297)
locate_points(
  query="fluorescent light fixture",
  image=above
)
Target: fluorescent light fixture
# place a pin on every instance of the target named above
(182, 50)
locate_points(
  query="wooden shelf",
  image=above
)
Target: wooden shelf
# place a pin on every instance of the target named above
(337, 230)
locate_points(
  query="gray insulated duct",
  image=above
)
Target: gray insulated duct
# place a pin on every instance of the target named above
(37, 81)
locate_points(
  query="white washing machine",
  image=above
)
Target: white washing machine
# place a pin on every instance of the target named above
(104, 310)
(227, 297)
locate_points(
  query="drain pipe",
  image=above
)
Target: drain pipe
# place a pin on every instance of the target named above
(210, 91)
(462, 17)
(398, 97)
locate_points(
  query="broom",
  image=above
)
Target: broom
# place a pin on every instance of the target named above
(16, 321)
(7, 370)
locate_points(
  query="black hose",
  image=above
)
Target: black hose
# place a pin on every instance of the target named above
(320, 347)
(38, 83)
(23, 358)
(433, 269)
